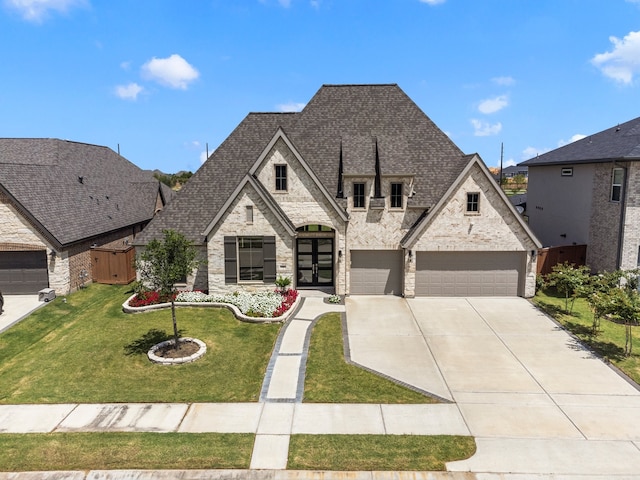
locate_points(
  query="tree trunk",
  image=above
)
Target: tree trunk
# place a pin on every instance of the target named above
(175, 324)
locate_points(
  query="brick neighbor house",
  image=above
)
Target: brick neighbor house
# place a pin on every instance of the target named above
(588, 193)
(59, 202)
(359, 193)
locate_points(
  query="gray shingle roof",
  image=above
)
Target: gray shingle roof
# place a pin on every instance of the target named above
(351, 117)
(76, 190)
(616, 143)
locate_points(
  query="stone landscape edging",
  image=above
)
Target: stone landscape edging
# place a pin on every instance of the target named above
(235, 310)
(177, 361)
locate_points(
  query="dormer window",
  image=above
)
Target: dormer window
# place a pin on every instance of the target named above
(281, 178)
(396, 195)
(358, 195)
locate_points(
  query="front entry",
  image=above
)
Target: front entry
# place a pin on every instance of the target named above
(315, 262)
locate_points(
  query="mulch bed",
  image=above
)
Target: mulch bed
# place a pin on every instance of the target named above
(185, 349)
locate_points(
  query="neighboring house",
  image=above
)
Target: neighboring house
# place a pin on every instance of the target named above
(587, 192)
(58, 200)
(359, 193)
(515, 170)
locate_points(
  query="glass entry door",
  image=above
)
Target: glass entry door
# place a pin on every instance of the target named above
(315, 262)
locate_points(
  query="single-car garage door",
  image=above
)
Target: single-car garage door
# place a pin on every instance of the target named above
(23, 272)
(472, 274)
(376, 272)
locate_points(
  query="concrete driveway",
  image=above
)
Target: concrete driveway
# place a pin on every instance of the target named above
(536, 400)
(16, 307)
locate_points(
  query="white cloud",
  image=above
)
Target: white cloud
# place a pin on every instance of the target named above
(634, 1)
(432, 2)
(203, 157)
(125, 65)
(574, 138)
(485, 129)
(504, 81)
(509, 163)
(173, 71)
(285, 3)
(129, 92)
(37, 10)
(623, 62)
(290, 107)
(492, 105)
(531, 152)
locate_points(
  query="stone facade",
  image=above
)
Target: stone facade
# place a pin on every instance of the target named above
(493, 229)
(303, 202)
(630, 255)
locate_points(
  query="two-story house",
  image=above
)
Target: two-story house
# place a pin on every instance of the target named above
(359, 193)
(588, 193)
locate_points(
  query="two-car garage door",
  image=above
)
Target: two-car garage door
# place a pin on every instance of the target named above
(468, 274)
(446, 274)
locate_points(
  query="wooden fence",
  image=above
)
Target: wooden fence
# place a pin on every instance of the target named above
(551, 256)
(113, 266)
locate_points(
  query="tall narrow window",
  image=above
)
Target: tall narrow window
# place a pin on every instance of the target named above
(396, 195)
(617, 177)
(358, 195)
(281, 178)
(473, 202)
(250, 259)
(249, 213)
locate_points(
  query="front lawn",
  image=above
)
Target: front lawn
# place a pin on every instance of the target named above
(609, 340)
(88, 351)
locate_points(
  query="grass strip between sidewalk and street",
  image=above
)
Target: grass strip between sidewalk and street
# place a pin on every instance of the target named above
(108, 451)
(377, 452)
(330, 379)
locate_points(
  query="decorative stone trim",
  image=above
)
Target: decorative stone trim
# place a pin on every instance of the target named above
(176, 361)
(235, 310)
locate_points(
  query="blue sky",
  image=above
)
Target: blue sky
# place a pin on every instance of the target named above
(164, 78)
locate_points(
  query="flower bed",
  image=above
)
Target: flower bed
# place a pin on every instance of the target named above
(265, 305)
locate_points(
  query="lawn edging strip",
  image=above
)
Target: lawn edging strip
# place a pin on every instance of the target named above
(235, 310)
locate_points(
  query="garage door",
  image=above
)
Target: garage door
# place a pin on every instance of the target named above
(376, 272)
(23, 272)
(469, 274)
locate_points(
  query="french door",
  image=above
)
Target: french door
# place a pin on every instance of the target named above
(315, 262)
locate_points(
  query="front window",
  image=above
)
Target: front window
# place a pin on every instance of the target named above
(473, 202)
(616, 184)
(250, 259)
(396, 195)
(281, 178)
(358, 195)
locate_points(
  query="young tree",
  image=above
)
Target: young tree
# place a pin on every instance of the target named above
(165, 262)
(568, 280)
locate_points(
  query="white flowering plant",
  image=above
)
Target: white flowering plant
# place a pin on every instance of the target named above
(262, 304)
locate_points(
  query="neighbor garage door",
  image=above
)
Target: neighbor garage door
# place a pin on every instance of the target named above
(470, 274)
(23, 272)
(376, 272)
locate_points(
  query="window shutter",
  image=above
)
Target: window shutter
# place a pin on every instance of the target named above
(269, 252)
(230, 261)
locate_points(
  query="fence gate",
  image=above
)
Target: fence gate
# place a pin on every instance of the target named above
(113, 266)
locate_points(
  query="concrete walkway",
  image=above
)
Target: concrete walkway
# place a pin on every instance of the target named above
(17, 307)
(538, 404)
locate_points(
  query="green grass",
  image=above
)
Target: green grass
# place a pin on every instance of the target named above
(88, 351)
(329, 379)
(104, 451)
(377, 452)
(608, 342)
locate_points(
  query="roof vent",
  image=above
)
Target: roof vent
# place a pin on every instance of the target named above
(81, 179)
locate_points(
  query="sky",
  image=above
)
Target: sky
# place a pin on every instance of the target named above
(165, 81)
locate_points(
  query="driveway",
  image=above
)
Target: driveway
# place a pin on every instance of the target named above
(16, 307)
(535, 399)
